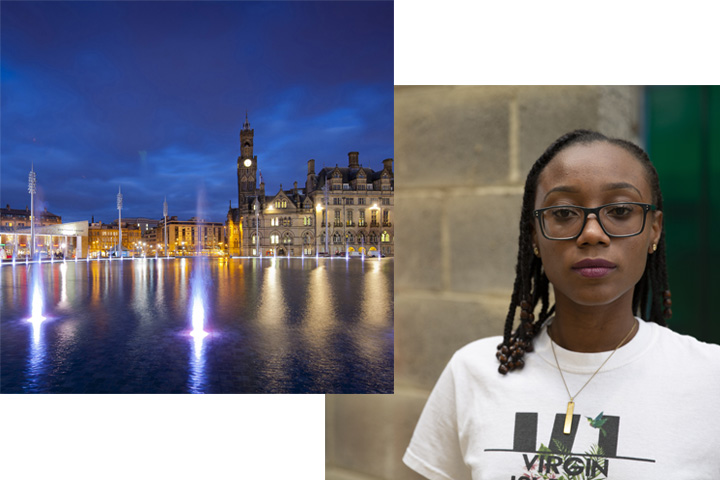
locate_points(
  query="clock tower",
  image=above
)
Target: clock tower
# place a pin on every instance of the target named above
(246, 165)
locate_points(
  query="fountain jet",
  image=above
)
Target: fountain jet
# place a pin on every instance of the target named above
(36, 302)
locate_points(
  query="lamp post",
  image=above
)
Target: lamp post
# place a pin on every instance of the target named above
(165, 215)
(318, 209)
(119, 207)
(375, 207)
(32, 182)
(257, 229)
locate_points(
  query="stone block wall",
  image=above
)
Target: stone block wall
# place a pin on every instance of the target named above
(462, 154)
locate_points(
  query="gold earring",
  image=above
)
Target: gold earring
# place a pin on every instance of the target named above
(536, 251)
(654, 247)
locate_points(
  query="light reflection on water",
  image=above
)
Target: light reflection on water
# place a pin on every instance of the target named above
(275, 325)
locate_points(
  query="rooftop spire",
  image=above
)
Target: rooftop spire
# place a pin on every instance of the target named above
(246, 125)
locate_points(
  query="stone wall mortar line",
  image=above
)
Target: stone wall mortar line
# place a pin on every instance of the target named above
(514, 142)
(441, 193)
(449, 295)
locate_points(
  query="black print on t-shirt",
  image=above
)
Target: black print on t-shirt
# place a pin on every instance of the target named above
(557, 456)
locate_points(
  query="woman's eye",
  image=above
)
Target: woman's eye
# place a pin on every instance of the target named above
(620, 211)
(564, 213)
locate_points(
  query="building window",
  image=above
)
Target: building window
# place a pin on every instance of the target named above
(373, 219)
(307, 221)
(385, 201)
(349, 201)
(281, 203)
(338, 220)
(385, 237)
(386, 218)
(275, 222)
(361, 238)
(337, 239)
(274, 239)
(349, 218)
(350, 238)
(287, 238)
(361, 201)
(361, 221)
(337, 201)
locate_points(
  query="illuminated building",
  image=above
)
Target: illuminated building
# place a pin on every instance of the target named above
(358, 201)
(191, 237)
(15, 227)
(103, 239)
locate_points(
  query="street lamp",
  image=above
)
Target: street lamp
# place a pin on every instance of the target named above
(375, 207)
(119, 207)
(318, 209)
(257, 229)
(32, 183)
(165, 210)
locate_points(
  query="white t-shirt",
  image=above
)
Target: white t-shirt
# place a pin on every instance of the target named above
(651, 413)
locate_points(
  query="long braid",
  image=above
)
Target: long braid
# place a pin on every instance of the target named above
(532, 285)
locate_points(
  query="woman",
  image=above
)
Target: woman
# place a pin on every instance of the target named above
(605, 393)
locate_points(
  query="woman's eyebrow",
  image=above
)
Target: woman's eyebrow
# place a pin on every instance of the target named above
(609, 186)
(562, 188)
(622, 186)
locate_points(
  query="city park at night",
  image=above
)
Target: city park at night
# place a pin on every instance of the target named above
(287, 290)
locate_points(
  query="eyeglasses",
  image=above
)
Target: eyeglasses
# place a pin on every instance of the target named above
(566, 222)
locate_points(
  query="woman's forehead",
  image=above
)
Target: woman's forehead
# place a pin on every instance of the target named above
(591, 167)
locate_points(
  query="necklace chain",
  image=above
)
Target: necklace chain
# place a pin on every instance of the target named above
(571, 403)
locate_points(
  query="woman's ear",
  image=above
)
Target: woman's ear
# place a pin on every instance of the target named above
(656, 228)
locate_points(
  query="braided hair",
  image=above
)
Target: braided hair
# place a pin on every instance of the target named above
(651, 296)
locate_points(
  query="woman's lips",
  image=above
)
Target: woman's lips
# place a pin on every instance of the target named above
(594, 267)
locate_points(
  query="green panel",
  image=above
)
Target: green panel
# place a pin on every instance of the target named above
(683, 141)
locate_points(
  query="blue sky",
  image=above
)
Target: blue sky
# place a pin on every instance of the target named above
(152, 96)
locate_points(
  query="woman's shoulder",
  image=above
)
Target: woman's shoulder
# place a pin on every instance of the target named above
(476, 353)
(685, 345)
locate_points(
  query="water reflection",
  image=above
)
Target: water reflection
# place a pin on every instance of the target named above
(231, 326)
(37, 347)
(317, 324)
(200, 279)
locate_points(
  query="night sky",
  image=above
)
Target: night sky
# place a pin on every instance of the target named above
(151, 96)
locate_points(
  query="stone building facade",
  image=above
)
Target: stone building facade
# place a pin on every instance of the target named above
(340, 210)
(464, 154)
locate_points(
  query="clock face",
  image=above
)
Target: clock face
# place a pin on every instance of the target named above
(248, 162)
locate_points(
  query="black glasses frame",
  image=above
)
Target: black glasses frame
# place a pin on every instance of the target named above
(587, 211)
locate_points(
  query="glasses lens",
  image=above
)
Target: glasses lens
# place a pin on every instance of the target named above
(622, 218)
(562, 222)
(617, 219)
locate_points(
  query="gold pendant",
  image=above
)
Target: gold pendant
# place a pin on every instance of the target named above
(568, 418)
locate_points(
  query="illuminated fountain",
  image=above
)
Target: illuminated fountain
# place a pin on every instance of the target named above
(199, 295)
(36, 303)
(197, 360)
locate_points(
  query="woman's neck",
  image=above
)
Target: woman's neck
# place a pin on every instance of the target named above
(592, 329)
